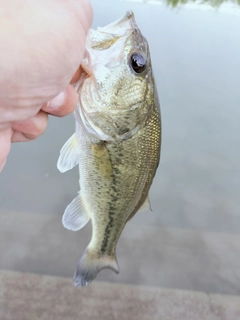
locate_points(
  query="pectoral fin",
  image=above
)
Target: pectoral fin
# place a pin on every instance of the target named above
(69, 154)
(75, 216)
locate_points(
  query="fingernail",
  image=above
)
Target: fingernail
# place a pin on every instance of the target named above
(57, 101)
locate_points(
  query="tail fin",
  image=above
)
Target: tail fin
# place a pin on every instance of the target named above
(90, 264)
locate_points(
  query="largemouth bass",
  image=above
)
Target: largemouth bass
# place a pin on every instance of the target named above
(116, 143)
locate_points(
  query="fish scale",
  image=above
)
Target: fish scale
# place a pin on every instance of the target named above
(116, 144)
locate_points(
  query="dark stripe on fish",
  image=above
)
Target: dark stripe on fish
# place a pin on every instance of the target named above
(111, 212)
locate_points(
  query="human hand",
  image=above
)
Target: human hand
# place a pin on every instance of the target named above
(41, 46)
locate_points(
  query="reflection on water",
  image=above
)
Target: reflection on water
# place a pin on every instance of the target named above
(213, 3)
(178, 3)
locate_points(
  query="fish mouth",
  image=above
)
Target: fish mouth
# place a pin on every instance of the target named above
(120, 27)
(85, 71)
(129, 16)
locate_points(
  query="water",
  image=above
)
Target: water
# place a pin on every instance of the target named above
(191, 240)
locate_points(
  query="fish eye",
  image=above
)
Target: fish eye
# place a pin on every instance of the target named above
(138, 62)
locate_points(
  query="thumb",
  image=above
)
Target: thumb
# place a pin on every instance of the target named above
(5, 144)
(63, 104)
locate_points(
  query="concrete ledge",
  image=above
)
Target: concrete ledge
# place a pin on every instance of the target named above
(147, 255)
(225, 307)
(26, 296)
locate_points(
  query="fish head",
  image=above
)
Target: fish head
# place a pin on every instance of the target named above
(117, 91)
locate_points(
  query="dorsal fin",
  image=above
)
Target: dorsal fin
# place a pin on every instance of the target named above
(146, 206)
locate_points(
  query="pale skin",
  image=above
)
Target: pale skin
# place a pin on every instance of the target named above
(41, 46)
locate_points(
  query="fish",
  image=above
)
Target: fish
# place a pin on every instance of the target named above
(116, 143)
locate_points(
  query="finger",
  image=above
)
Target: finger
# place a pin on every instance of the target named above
(63, 104)
(76, 76)
(31, 128)
(85, 14)
(5, 144)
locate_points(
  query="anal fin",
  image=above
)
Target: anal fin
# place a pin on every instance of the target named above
(75, 216)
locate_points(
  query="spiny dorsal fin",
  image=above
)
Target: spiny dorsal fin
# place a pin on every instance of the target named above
(69, 155)
(75, 216)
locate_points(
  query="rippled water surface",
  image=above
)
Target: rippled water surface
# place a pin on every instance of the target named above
(191, 239)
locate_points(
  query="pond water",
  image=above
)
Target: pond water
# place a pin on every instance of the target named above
(191, 239)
